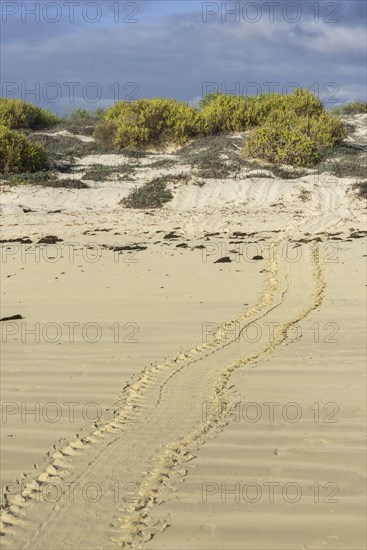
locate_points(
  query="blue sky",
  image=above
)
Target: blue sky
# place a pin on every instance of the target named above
(65, 54)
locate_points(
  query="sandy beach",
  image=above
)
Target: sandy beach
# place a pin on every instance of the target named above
(191, 377)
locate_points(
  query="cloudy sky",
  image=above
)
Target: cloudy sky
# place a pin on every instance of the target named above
(64, 54)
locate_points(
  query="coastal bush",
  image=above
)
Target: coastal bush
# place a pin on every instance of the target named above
(149, 122)
(353, 108)
(326, 130)
(225, 113)
(17, 114)
(301, 102)
(105, 133)
(83, 115)
(296, 140)
(290, 129)
(208, 99)
(282, 145)
(81, 121)
(297, 104)
(80, 114)
(18, 154)
(230, 113)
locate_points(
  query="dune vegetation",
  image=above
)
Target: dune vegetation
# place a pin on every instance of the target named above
(19, 154)
(17, 114)
(354, 108)
(290, 129)
(293, 129)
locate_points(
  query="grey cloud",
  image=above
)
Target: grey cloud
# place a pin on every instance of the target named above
(173, 55)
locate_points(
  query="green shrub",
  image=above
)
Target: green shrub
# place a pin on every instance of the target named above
(295, 140)
(354, 108)
(326, 130)
(302, 102)
(230, 113)
(290, 129)
(99, 113)
(282, 145)
(153, 194)
(208, 99)
(17, 114)
(149, 121)
(83, 115)
(119, 120)
(80, 114)
(105, 133)
(226, 113)
(18, 154)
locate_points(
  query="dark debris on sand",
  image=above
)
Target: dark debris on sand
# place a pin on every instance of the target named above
(224, 260)
(50, 239)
